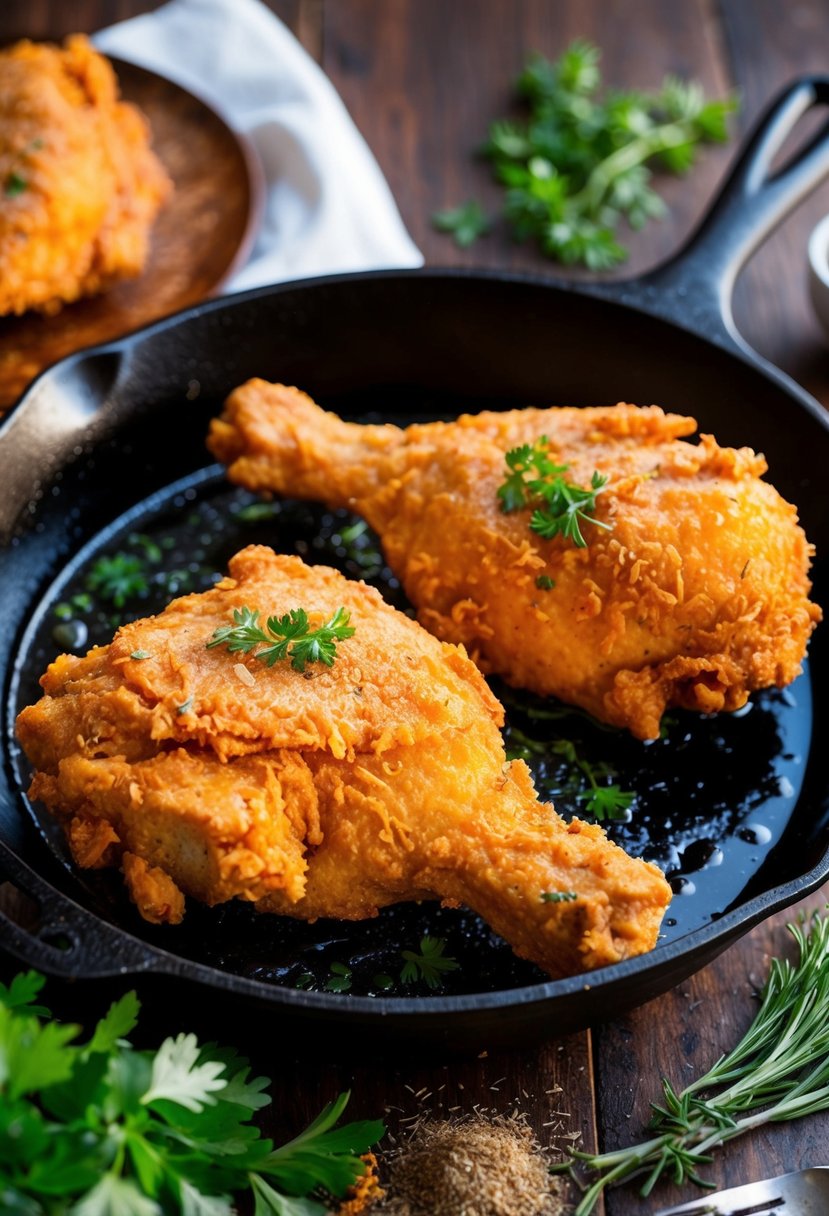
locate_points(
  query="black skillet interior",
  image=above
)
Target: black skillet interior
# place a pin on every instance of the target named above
(736, 809)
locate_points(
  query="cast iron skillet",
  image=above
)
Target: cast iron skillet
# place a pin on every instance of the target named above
(117, 426)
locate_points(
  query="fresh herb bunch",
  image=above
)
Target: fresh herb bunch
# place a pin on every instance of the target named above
(578, 165)
(101, 1129)
(559, 506)
(778, 1071)
(293, 634)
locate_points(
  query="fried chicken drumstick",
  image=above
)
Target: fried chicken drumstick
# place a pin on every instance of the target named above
(334, 791)
(693, 593)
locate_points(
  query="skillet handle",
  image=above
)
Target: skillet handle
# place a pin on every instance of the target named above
(696, 286)
(64, 939)
(65, 408)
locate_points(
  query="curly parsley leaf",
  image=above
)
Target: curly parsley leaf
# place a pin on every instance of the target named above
(607, 802)
(466, 223)
(429, 965)
(117, 578)
(294, 637)
(559, 507)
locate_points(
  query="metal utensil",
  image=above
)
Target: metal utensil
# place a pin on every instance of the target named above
(803, 1193)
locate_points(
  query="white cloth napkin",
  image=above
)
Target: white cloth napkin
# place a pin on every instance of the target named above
(328, 207)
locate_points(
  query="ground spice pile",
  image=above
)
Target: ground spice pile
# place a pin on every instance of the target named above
(470, 1166)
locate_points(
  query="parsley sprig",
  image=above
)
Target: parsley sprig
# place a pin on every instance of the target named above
(587, 782)
(778, 1071)
(288, 636)
(559, 507)
(466, 223)
(429, 964)
(100, 1128)
(578, 165)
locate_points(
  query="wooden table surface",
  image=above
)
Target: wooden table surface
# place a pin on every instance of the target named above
(422, 79)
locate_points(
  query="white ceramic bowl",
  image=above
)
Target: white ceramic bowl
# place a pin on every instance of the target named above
(819, 272)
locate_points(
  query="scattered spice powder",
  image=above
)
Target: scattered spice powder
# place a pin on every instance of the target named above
(470, 1166)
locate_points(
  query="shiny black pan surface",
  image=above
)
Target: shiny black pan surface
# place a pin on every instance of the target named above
(736, 808)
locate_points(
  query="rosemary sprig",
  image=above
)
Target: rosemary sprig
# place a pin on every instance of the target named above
(778, 1071)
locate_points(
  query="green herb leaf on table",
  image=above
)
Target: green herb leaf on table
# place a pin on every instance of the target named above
(465, 223)
(777, 1072)
(578, 165)
(293, 634)
(429, 965)
(102, 1129)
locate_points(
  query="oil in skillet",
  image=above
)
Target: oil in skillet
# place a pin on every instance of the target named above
(712, 796)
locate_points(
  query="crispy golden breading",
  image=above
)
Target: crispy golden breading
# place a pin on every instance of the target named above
(79, 184)
(696, 596)
(332, 792)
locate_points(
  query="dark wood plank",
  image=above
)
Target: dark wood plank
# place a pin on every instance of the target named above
(423, 79)
(680, 1036)
(54, 19)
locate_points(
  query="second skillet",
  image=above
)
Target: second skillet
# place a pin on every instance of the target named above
(110, 442)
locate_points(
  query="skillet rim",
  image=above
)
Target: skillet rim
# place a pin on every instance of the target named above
(703, 943)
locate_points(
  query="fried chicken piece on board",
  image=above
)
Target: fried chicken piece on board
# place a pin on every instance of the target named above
(79, 184)
(695, 595)
(330, 792)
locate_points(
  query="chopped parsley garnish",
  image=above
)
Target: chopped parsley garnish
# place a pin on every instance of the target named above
(255, 512)
(186, 706)
(340, 978)
(558, 897)
(607, 802)
(76, 603)
(429, 965)
(138, 655)
(559, 507)
(465, 223)
(545, 583)
(15, 185)
(101, 1127)
(588, 783)
(294, 637)
(117, 578)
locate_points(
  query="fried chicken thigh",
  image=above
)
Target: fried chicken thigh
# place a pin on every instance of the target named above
(329, 792)
(82, 186)
(695, 594)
